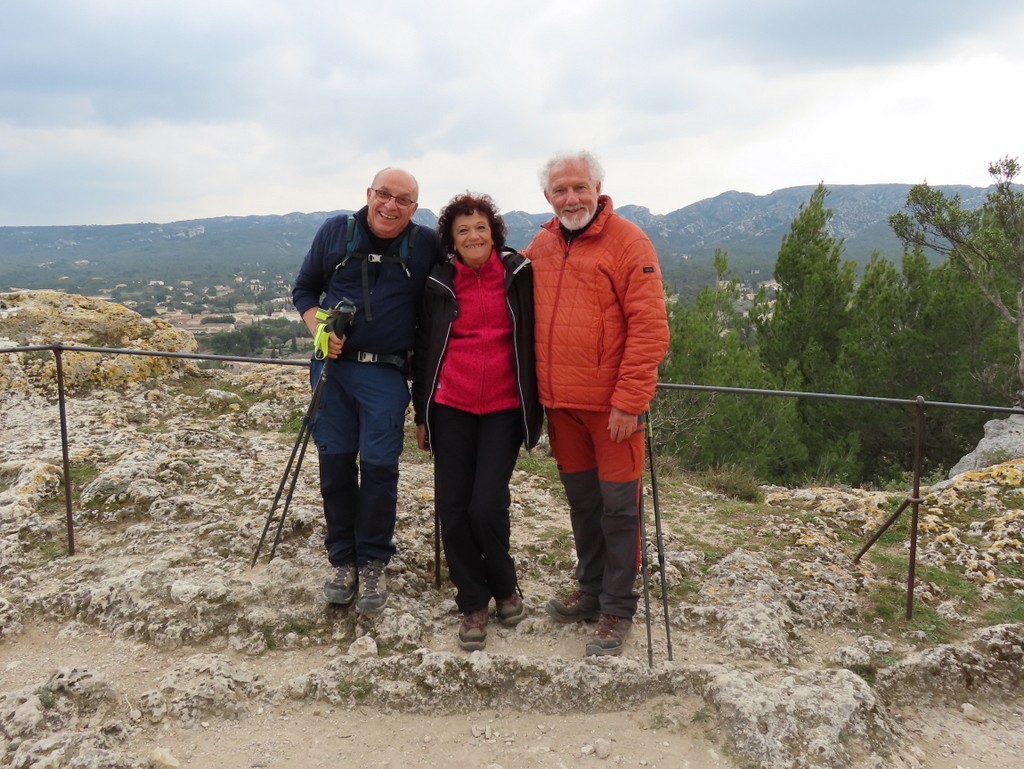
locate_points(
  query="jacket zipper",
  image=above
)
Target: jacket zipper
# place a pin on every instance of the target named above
(551, 328)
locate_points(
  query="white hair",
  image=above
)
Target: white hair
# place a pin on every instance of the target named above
(591, 162)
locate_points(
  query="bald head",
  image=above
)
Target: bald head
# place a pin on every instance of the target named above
(391, 201)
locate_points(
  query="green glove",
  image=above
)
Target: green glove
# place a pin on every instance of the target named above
(320, 340)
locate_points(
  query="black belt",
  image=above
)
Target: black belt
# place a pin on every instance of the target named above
(373, 357)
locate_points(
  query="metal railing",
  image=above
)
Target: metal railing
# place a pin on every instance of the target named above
(914, 501)
(919, 404)
(58, 351)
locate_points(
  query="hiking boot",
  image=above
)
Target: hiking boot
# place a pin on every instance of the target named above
(340, 589)
(473, 630)
(610, 636)
(373, 591)
(576, 607)
(510, 610)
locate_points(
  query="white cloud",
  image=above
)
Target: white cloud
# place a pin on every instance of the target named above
(111, 112)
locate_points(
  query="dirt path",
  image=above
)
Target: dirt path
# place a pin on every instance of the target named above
(289, 734)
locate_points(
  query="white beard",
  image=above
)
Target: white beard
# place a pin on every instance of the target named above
(576, 220)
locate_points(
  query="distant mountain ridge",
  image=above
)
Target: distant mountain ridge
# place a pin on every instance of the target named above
(749, 227)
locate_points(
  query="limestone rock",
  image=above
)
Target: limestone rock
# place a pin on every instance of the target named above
(51, 317)
(810, 718)
(1003, 440)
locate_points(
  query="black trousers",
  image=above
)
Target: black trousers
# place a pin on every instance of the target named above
(474, 456)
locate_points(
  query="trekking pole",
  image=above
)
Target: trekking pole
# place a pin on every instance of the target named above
(292, 467)
(335, 320)
(658, 534)
(643, 571)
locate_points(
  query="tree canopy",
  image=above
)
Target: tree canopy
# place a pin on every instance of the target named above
(986, 242)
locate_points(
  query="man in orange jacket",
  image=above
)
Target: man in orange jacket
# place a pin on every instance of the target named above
(601, 331)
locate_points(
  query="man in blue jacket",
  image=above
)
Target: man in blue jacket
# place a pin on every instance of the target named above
(377, 260)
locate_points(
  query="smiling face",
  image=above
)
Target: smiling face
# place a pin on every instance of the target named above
(471, 234)
(387, 218)
(572, 193)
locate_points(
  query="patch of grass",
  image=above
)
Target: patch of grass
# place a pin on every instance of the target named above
(357, 690)
(541, 465)
(556, 548)
(154, 429)
(659, 721)
(679, 592)
(898, 531)
(887, 602)
(951, 581)
(51, 505)
(299, 628)
(935, 627)
(888, 660)
(1012, 570)
(268, 637)
(904, 481)
(293, 423)
(700, 716)
(1014, 500)
(83, 472)
(741, 515)
(712, 555)
(733, 481)
(46, 552)
(1003, 611)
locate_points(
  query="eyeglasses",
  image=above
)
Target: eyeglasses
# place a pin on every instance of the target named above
(400, 200)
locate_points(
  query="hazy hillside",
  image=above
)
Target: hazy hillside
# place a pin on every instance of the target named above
(210, 251)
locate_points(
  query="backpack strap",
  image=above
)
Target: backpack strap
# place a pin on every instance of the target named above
(404, 253)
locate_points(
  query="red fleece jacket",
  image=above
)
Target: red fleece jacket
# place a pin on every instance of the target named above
(478, 373)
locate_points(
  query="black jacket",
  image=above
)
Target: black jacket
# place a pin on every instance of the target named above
(438, 310)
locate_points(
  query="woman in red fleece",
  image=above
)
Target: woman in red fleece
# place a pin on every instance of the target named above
(475, 397)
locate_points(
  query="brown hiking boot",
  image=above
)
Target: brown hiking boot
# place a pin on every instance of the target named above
(574, 608)
(373, 591)
(340, 589)
(473, 630)
(610, 636)
(511, 610)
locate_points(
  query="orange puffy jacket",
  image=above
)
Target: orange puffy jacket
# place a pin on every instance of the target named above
(601, 325)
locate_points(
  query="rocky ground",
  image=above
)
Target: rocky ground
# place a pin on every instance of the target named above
(156, 644)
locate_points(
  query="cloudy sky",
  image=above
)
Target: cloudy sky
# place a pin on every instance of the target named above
(115, 112)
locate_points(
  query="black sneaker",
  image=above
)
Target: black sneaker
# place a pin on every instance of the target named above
(610, 636)
(340, 589)
(574, 608)
(373, 591)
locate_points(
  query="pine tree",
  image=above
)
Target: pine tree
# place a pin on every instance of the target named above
(799, 334)
(711, 344)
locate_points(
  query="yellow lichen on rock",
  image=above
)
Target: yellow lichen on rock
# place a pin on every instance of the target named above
(38, 318)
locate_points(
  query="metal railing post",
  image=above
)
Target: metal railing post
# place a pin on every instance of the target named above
(69, 515)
